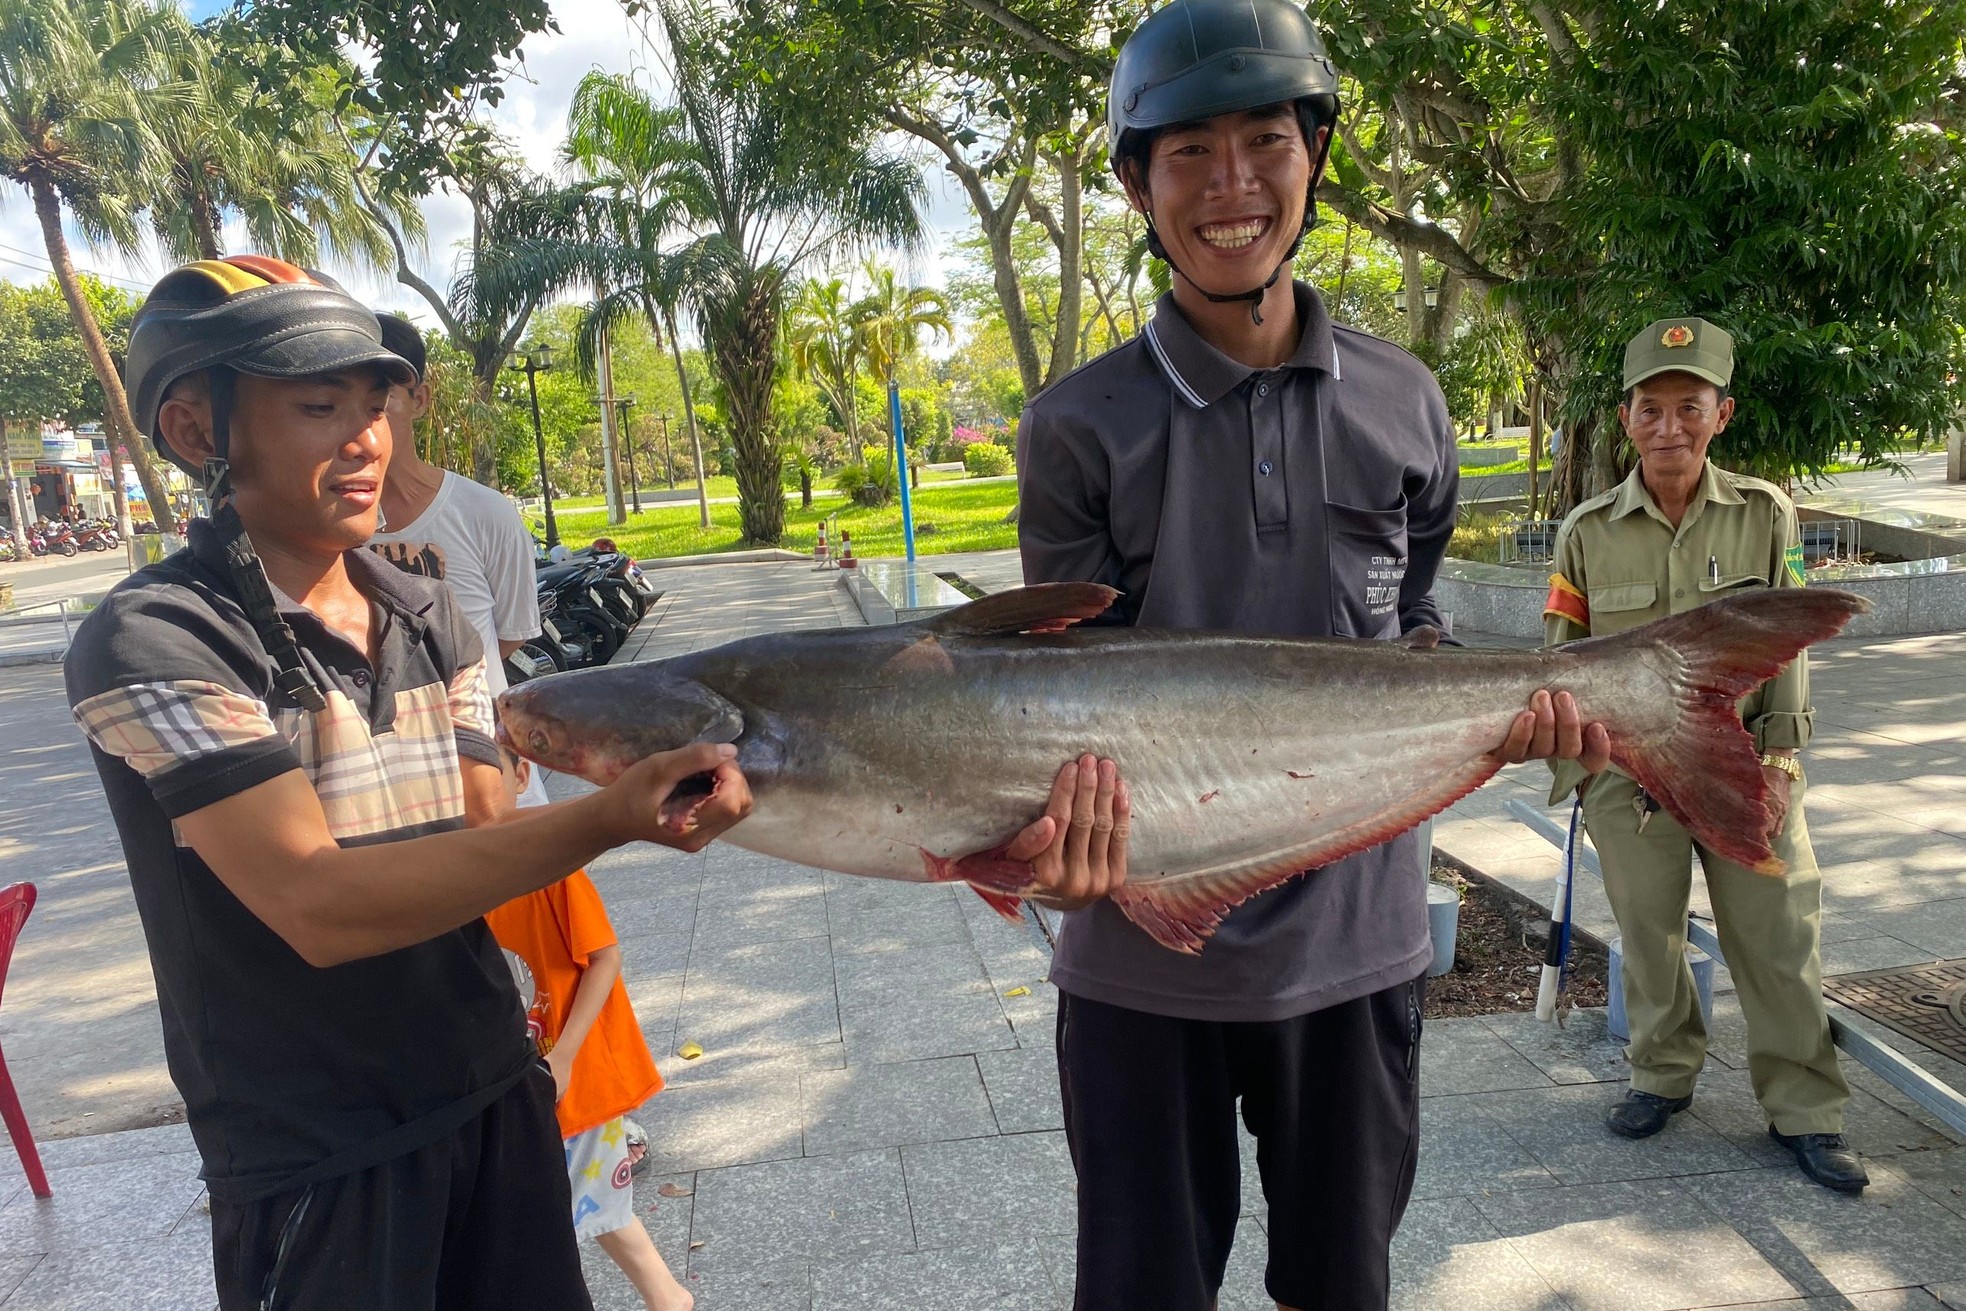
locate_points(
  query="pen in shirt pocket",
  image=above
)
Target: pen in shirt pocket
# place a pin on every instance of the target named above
(1713, 570)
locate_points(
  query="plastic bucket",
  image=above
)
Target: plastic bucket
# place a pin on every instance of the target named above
(1614, 1011)
(1443, 923)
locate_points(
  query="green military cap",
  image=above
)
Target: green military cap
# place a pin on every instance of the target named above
(1680, 346)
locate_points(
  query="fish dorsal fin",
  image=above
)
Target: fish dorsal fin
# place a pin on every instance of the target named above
(1040, 608)
(1424, 638)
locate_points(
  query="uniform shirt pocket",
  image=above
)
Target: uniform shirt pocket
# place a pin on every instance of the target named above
(1731, 582)
(1614, 598)
(1368, 566)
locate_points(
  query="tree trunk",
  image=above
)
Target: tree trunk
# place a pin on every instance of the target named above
(1070, 241)
(746, 354)
(689, 417)
(805, 489)
(116, 403)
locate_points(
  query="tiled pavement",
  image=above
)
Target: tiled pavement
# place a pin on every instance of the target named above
(874, 1122)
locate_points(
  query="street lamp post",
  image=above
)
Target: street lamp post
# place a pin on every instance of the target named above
(628, 443)
(539, 359)
(668, 456)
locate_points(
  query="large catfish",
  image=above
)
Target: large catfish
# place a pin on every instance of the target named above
(916, 751)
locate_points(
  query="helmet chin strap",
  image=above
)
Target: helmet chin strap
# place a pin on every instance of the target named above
(291, 676)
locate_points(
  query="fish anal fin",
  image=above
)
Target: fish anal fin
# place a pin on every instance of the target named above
(1182, 913)
(1039, 608)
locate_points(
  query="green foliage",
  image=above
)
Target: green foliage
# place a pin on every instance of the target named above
(872, 481)
(984, 460)
(1778, 170)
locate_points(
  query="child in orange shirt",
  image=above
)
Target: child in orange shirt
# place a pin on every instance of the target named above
(569, 969)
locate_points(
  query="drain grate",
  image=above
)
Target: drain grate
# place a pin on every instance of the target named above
(1926, 1003)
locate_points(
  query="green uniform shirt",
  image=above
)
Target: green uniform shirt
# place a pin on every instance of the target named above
(1620, 563)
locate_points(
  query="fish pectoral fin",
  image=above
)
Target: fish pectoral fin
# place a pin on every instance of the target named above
(1005, 904)
(1040, 608)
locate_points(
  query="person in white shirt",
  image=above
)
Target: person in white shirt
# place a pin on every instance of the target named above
(443, 525)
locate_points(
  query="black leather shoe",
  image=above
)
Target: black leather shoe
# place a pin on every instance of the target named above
(1643, 1114)
(1826, 1158)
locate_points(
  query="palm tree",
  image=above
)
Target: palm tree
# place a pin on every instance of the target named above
(889, 321)
(279, 165)
(79, 80)
(827, 350)
(762, 190)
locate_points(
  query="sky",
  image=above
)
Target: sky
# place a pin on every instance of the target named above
(593, 34)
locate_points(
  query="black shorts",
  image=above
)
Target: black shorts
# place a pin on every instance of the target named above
(479, 1221)
(1333, 1100)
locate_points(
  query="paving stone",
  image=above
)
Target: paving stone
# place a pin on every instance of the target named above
(1023, 1087)
(709, 1123)
(1465, 1055)
(1242, 1280)
(1951, 1296)
(784, 1285)
(1017, 1184)
(1563, 1128)
(1007, 1277)
(1940, 1175)
(1447, 1254)
(1892, 1299)
(1464, 1151)
(654, 955)
(918, 1003)
(1937, 927)
(869, 1106)
(759, 904)
(173, 1274)
(911, 915)
(648, 914)
(766, 996)
(1879, 952)
(1578, 1052)
(1725, 1102)
(110, 1201)
(1890, 1236)
(750, 1219)
(13, 1270)
(655, 1001)
(92, 1149)
(1631, 1247)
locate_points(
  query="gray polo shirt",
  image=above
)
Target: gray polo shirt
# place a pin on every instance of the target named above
(1314, 499)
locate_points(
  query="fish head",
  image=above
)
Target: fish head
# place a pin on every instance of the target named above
(595, 723)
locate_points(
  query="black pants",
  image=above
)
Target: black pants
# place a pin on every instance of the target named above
(1333, 1100)
(479, 1221)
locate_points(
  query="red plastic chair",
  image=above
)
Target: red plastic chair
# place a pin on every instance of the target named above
(16, 903)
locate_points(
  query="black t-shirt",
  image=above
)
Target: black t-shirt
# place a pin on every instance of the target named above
(291, 1073)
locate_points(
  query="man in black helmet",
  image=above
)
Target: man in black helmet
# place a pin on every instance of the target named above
(1244, 465)
(285, 726)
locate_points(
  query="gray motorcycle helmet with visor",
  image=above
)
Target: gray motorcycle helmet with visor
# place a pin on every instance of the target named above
(1195, 59)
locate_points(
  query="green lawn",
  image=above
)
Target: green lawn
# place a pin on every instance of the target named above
(723, 486)
(964, 519)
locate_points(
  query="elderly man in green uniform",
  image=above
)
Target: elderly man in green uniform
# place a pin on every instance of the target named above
(1676, 534)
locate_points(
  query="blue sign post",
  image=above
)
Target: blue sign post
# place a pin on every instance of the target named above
(901, 468)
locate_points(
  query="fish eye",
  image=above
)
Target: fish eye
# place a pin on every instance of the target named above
(538, 740)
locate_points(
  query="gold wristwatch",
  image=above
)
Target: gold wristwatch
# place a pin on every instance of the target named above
(1787, 764)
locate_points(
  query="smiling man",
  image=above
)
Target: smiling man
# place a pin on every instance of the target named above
(286, 728)
(1244, 465)
(1678, 533)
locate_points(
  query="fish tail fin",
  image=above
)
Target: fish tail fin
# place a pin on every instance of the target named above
(1704, 769)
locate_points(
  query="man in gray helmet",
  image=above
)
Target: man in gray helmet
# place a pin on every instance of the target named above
(1243, 465)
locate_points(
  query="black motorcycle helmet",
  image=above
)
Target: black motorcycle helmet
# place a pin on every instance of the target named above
(1195, 59)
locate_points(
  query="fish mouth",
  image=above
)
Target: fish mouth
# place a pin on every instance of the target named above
(678, 810)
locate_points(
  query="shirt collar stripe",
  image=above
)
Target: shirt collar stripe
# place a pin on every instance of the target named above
(1188, 393)
(1337, 373)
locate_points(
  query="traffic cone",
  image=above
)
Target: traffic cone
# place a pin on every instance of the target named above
(821, 557)
(846, 551)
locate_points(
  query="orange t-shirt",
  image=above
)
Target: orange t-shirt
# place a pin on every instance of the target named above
(556, 931)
